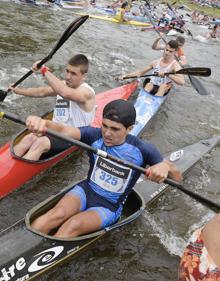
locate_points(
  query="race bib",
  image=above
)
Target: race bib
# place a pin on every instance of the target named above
(61, 111)
(110, 176)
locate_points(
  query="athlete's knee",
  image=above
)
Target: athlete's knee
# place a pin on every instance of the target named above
(28, 139)
(57, 213)
(149, 87)
(41, 144)
(23, 146)
(163, 87)
(71, 229)
(74, 225)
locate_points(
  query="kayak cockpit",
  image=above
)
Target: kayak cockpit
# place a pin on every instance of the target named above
(134, 206)
(45, 156)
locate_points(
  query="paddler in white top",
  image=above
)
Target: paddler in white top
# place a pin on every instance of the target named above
(75, 106)
(161, 84)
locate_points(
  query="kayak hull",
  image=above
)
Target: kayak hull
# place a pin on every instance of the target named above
(31, 254)
(113, 20)
(146, 106)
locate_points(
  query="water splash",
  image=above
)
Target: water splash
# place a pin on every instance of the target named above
(175, 245)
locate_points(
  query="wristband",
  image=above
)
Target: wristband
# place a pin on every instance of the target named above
(44, 69)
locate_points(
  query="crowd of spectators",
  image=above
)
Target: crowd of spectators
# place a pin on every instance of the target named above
(209, 3)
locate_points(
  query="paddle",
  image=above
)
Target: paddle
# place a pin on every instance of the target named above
(67, 33)
(198, 71)
(197, 85)
(212, 205)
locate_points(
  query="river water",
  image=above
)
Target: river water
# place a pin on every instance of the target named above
(148, 249)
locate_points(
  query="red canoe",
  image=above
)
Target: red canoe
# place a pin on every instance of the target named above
(14, 171)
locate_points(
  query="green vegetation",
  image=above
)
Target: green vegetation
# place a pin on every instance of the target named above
(214, 12)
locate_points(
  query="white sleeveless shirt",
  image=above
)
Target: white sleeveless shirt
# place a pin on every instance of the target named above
(70, 113)
(156, 80)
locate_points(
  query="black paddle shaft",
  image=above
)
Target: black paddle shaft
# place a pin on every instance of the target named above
(67, 33)
(198, 71)
(210, 204)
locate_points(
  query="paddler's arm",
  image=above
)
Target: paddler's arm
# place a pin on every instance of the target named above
(138, 73)
(157, 46)
(38, 125)
(159, 172)
(177, 78)
(79, 94)
(33, 92)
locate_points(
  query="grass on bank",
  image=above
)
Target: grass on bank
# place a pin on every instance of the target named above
(214, 12)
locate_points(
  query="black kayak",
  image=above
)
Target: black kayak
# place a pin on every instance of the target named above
(25, 253)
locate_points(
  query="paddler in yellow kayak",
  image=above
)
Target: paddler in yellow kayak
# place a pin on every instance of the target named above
(120, 12)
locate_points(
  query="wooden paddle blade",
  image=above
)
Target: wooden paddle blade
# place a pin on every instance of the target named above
(195, 71)
(3, 95)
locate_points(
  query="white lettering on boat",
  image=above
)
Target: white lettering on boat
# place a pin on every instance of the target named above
(8, 274)
(25, 277)
(157, 192)
(45, 258)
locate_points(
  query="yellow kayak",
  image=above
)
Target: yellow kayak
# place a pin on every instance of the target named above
(111, 19)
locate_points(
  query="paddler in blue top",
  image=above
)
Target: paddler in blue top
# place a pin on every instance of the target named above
(97, 202)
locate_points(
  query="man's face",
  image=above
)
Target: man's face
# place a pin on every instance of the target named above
(169, 52)
(114, 133)
(73, 76)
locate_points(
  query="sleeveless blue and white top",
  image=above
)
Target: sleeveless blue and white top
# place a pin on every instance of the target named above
(156, 80)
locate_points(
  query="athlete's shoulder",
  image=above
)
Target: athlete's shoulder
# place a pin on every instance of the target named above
(150, 153)
(90, 134)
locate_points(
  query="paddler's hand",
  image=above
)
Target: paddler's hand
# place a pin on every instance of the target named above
(42, 69)
(36, 125)
(35, 67)
(161, 74)
(11, 88)
(158, 172)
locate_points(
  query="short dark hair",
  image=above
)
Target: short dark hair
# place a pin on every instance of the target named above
(81, 61)
(173, 44)
(180, 40)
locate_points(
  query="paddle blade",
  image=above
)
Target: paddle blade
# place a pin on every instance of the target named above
(197, 85)
(67, 33)
(3, 95)
(196, 71)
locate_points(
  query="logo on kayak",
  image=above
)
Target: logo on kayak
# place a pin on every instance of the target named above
(45, 258)
(174, 156)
